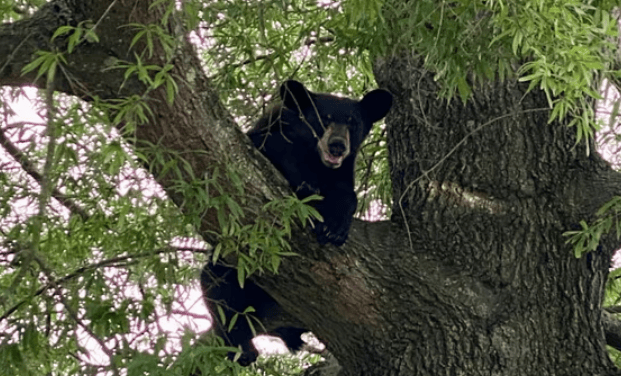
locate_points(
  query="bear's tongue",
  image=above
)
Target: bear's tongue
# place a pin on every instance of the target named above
(328, 159)
(331, 160)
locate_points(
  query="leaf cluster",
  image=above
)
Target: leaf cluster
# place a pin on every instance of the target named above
(103, 259)
(562, 47)
(587, 238)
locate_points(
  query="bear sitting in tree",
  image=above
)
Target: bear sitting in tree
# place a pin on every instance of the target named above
(312, 139)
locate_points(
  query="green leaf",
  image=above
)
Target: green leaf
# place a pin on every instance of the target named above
(233, 321)
(62, 30)
(221, 314)
(241, 272)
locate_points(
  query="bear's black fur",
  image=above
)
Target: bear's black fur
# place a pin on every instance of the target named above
(312, 139)
(221, 288)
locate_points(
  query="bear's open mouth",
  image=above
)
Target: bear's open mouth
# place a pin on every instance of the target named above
(330, 160)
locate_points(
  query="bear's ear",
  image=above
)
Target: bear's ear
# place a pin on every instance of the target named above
(295, 96)
(375, 105)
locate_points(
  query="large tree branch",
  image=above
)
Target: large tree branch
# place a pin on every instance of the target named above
(20, 40)
(196, 121)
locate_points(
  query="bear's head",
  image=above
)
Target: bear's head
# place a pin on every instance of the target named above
(339, 124)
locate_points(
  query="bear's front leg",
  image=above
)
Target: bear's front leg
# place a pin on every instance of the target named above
(337, 211)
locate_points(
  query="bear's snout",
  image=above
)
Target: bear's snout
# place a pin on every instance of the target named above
(337, 146)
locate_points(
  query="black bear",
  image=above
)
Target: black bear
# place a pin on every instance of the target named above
(312, 139)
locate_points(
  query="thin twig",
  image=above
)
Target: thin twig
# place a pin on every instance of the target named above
(113, 262)
(31, 170)
(8, 60)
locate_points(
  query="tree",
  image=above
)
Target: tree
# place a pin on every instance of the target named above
(472, 274)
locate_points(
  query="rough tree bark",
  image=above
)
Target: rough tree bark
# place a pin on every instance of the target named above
(471, 276)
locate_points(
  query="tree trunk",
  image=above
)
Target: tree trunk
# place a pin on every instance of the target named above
(471, 276)
(487, 190)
